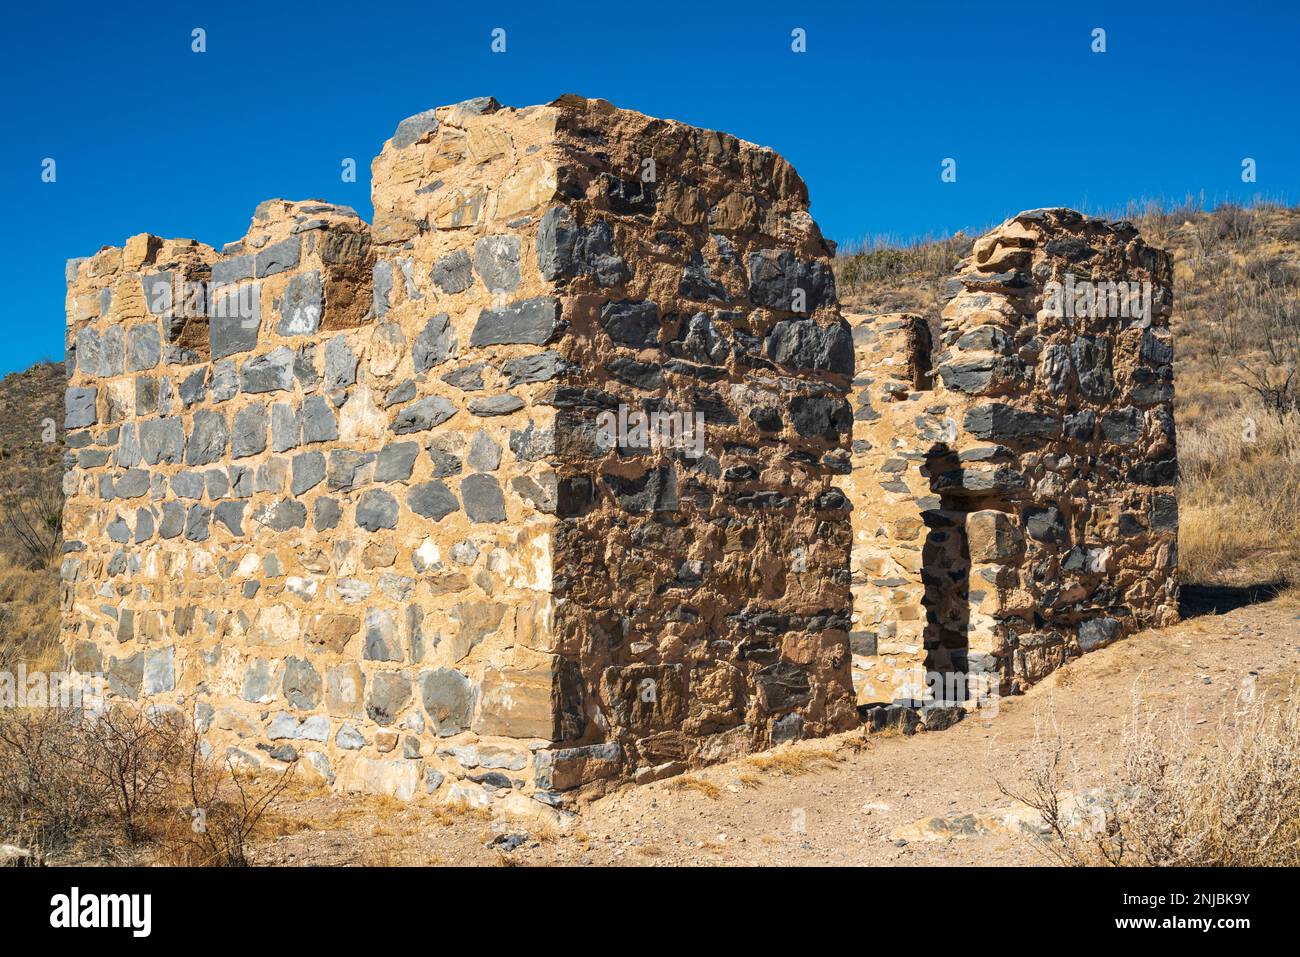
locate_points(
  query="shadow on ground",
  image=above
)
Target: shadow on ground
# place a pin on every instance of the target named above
(1196, 600)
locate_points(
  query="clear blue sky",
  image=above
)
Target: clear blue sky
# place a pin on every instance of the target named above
(148, 135)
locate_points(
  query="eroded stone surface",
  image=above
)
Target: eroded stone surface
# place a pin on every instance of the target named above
(1005, 476)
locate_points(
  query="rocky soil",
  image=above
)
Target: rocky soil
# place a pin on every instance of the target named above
(845, 800)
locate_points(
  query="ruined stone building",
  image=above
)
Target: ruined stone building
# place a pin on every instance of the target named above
(568, 470)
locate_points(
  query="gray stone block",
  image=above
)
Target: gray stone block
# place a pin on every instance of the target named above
(382, 641)
(447, 697)
(432, 500)
(209, 438)
(278, 257)
(79, 407)
(484, 454)
(340, 363)
(483, 499)
(325, 514)
(231, 515)
(453, 273)
(527, 322)
(302, 684)
(272, 372)
(286, 430)
(236, 319)
(631, 323)
(537, 368)
(390, 692)
(396, 461)
(435, 343)
(162, 441)
(188, 485)
(496, 259)
(249, 432)
(319, 423)
(376, 509)
(283, 515)
(301, 305)
(414, 129)
(197, 518)
(776, 275)
(308, 472)
(423, 415)
(226, 271)
(496, 405)
(143, 348)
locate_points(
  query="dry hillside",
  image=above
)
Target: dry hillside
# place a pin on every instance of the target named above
(31, 472)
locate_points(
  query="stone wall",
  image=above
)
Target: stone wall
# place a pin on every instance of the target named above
(1016, 507)
(896, 421)
(567, 470)
(351, 493)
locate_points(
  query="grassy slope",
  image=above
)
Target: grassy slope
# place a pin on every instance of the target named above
(30, 468)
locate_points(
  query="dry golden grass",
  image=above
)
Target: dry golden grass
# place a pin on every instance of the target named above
(459, 810)
(793, 760)
(1289, 596)
(856, 741)
(29, 617)
(882, 274)
(889, 731)
(1236, 326)
(1239, 519)
(691, 783)
(132, 786)
(276, 824)
(361, 808)
(544, 831)
(1175, 800)
(396, 854)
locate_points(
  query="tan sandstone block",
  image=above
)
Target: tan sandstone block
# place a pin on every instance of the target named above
(516, 703)
(531, 186)
(141, 250)
(992, 537)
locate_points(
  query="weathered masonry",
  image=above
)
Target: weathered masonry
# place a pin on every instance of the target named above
(560, 473)
(1014, 469)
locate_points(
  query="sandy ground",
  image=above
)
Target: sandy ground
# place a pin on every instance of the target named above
(846, 800)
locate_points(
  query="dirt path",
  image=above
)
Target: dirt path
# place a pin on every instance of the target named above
(844, 800)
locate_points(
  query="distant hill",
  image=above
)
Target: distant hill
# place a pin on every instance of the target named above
(31, 410)
(31, 482)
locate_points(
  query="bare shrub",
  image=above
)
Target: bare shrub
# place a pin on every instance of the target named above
(1231, 801)
(220, 808)
(136, 756)
(46, 802)
(31, 525)
(129, 779)
(1268, 369)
